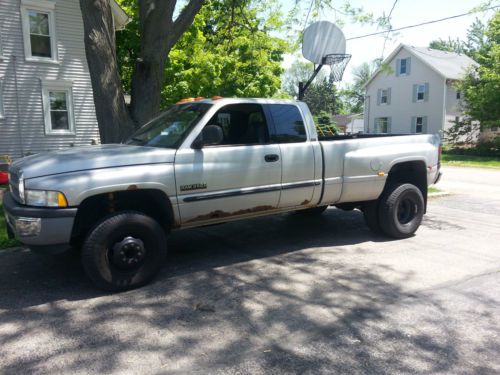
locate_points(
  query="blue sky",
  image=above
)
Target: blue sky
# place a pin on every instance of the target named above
(406, 12)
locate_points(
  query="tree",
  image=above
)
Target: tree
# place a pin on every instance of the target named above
(481, 87)
(322, 96)
(158, 31)
(474, 42)
(354, 95)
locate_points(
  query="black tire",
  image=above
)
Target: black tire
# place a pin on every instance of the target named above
(401, 210)
(315, 211)
(124, 251)
(370, 213)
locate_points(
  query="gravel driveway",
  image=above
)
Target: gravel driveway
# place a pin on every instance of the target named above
(276, 295)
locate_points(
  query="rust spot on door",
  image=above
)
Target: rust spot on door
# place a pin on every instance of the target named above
(218, 214)
(305, 202)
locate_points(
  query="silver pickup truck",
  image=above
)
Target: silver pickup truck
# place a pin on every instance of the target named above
(206, 162)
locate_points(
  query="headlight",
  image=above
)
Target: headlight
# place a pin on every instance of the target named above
(21, 188)
(45, 198)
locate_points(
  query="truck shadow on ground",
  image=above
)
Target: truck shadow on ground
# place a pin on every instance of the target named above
(50, 278)
(261, 296)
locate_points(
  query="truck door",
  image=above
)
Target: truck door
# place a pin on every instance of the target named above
(239, 176)
(297, 155)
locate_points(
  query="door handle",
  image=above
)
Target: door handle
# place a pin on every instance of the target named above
(271, 158)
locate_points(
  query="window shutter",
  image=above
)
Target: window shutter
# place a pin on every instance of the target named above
(424, 124)
(415, 88)
(413, 124)
(379, 95)
(389, 125)
(388, 96)
(398, 67)
(426, 93)
(375, 126)
(408, 66)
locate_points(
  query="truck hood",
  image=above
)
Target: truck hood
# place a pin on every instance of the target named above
(89, 157)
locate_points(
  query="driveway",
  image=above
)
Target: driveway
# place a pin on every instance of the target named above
(277, 295)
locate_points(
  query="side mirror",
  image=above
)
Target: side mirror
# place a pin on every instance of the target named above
(211, 135)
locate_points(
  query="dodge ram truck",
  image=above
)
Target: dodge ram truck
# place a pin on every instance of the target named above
(209, 162)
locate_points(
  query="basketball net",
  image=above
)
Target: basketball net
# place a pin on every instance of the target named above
(337, 63)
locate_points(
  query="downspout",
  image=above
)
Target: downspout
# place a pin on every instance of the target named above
(367, 111)
(20, 133)
(443, 122)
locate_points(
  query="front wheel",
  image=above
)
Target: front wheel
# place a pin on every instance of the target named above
(401, 210)
(124, 251)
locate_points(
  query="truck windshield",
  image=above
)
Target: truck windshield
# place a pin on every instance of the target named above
(170, 128)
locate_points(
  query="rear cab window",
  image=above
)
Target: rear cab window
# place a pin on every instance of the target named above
(289, 125)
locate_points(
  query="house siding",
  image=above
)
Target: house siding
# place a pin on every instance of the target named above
(22, 130)
(402, 108)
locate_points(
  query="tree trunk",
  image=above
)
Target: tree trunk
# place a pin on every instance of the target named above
(159, 33)
(113, 118)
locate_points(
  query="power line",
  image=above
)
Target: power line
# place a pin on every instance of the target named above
(424, 23)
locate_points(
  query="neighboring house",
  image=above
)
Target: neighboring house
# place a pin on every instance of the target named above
(349, 124)
(46, 99)
(417, 95)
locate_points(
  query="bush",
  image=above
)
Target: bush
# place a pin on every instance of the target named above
(486, 148)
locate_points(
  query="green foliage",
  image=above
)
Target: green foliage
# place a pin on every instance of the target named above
(471, 46)
(470, 160)
(481, 87)
(227, 51)
(324, 124)
(321, 95)
(5, 242)
(353, 95)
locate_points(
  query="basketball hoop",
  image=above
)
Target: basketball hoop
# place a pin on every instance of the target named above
(324, 43)
(337, 62)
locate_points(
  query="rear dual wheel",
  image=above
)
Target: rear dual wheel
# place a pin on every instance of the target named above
(398, 213)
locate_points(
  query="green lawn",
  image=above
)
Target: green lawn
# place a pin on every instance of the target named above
(470, 161)
(4, 240)
(433, 189)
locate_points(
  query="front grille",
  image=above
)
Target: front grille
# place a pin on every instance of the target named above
(14, 185)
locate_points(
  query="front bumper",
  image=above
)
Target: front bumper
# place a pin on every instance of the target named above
(42, 229)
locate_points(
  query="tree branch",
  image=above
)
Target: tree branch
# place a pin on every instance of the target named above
(185, 18)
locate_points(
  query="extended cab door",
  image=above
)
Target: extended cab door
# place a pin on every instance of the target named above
(239, 176)
(297, 155)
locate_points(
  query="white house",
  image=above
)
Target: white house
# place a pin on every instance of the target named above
(46, 99)
(416, 94)
(350, 124)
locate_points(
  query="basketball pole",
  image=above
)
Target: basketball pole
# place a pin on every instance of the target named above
(303, 87)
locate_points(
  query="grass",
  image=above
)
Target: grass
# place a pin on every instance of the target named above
(5, 242)
(433, 189)
(470, 161)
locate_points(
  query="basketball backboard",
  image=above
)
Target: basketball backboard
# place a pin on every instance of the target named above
(321, 39)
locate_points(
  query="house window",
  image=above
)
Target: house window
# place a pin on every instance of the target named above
(39, 30)
(58, 108)
(382, 125)
(419, 125)
(403, 67)
(459, 95)
(420, 93)
(383, 97)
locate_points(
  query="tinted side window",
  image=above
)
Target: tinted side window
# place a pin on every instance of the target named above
(242, 124)
(288, 123)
